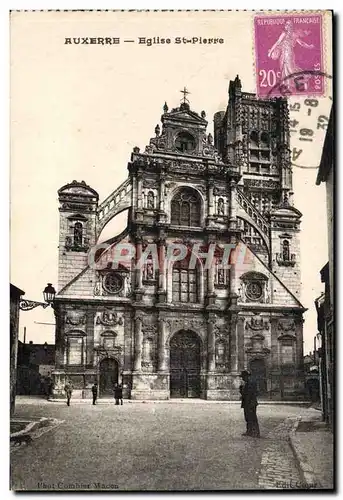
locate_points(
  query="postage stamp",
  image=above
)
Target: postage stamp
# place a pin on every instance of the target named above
(191, 236)
(286, 46)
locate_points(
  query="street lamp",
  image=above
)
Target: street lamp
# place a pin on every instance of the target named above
(49, 293)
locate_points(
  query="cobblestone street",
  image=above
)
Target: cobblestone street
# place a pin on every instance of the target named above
(164, 446)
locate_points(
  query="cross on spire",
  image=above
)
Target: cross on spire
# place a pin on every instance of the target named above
(185, 92)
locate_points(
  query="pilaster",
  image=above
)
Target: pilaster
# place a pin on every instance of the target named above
(240, 343)
(90, 317)
(162, 359)
(162, 290)
(211, 343)
(138, 336)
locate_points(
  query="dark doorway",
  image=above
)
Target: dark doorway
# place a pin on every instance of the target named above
(258, 374)
(108, 376)
(185, 365)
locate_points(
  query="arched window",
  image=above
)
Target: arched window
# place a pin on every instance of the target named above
(285, 250)
(185, 142)
(78, 229)
(185, 283)
(75, 348)
(186, 208)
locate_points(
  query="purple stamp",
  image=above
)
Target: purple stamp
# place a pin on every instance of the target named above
(288, 55)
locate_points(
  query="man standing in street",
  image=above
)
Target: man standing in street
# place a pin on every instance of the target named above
(248, 392)
(68, 389)
(118, 393)
(95, 392)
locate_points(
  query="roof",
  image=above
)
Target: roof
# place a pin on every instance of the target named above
(15, 291)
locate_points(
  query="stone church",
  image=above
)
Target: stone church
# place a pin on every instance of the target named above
(177, 330)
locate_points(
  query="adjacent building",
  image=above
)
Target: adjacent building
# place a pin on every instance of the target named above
(325, 303)
(15, 295)
(183, 329)
(34, 367)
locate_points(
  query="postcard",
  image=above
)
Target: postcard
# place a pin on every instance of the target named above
(172, 316)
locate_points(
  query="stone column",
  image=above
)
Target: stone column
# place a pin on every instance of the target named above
(210, 279)
(139, 190)
(210, 199)
(90, 315)
(162, 365)
(201, 285)
(233, 343)
(162, 188)
(232, 205)
(137, 365)
(211, 343)
(210, 285)
(236, 259)
(162, 290)
(139, 272)
(240, 343)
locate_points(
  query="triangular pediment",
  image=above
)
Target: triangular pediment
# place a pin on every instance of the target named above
(278, 293)
(182, 115)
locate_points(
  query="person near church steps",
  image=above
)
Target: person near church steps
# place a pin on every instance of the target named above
(118, 393)
(95, 392)
(248, 392)
(68, 389)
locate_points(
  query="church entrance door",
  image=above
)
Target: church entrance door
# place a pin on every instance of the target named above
(185, 365)
(108, 376)
(258, 374)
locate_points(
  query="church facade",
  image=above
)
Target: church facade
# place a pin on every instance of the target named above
(174, 328)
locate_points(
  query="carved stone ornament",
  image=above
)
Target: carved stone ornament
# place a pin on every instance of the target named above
(261, 183)
(76, 318)
(254, 290)
(221, 332)
(150, 184)
(286, 325)
(149, 330)
(257, 324)
(97, 288)
(113, 282)
(108, 318)
(187, 324)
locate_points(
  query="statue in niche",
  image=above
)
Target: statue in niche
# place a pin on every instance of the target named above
(220, 206)
(149, 270)
(220, 352)
(221, 276)
(151, 200)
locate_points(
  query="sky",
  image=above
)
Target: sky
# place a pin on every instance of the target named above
(78, 110)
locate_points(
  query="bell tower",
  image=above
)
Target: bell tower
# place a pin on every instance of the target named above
(77, 234)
